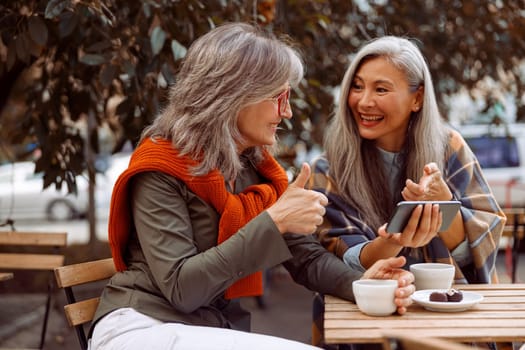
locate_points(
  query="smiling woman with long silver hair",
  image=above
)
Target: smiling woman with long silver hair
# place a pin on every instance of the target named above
(388, 142)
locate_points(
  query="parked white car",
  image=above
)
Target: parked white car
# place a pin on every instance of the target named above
(500, 150)
(22, 195)
(118, 162)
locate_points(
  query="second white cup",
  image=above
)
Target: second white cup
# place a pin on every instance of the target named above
(433, 275)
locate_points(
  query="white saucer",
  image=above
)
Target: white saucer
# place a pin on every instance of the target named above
(469, 299)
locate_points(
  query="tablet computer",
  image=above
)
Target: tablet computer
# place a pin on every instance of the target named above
(403, 210)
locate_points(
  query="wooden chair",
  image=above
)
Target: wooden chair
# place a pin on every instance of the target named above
(80, 313)
(401, 341)
(514, 229)
(35, 251)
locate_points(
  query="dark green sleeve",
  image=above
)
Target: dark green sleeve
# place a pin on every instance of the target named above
(318, 269)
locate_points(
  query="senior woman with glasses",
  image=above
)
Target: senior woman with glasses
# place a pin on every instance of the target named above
(204, 207)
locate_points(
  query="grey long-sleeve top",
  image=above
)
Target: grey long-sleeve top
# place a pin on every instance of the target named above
(177, 272)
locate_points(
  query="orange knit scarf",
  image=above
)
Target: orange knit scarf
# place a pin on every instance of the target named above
(235, 210)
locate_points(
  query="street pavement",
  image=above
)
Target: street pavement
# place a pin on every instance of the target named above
(286, 312)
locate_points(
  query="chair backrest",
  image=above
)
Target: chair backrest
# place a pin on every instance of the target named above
(33, 251)
(34, 260)
(79, 313)
(514, 227)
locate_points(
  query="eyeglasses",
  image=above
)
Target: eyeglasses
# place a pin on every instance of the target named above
(282, 101)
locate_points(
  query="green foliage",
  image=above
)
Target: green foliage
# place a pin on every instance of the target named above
(85, 53)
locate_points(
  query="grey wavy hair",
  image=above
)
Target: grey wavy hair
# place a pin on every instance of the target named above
(355, 163)
(230, 67)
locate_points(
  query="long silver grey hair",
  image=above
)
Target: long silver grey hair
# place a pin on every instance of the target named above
(230, 67)
(355, 163)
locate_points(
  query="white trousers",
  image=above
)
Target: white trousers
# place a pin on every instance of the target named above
(128, 329)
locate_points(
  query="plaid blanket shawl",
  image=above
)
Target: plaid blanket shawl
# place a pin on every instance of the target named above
(482, 216)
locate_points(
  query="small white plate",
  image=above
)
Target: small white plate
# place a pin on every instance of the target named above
(469, 299)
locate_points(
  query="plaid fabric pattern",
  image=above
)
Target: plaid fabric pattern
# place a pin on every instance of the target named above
(482, 216)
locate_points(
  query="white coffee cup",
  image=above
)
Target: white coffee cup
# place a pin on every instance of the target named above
(375, 297)
(433, 275)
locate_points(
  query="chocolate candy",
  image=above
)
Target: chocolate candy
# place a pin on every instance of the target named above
(454, 296)
(438, 296)
(451, 296)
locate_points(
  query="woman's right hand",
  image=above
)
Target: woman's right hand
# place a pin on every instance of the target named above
(392, 268)
(299, 210)
(420, 229)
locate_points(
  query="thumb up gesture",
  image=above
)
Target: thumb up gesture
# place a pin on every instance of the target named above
(299, 210)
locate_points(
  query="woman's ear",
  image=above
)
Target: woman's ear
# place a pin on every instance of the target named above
(418, 99)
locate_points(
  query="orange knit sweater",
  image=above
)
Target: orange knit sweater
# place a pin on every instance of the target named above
(235, 210)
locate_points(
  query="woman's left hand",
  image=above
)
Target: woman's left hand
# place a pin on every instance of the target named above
(391, 268)
(431, 186)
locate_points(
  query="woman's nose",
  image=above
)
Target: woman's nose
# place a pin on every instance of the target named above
(366, 99)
